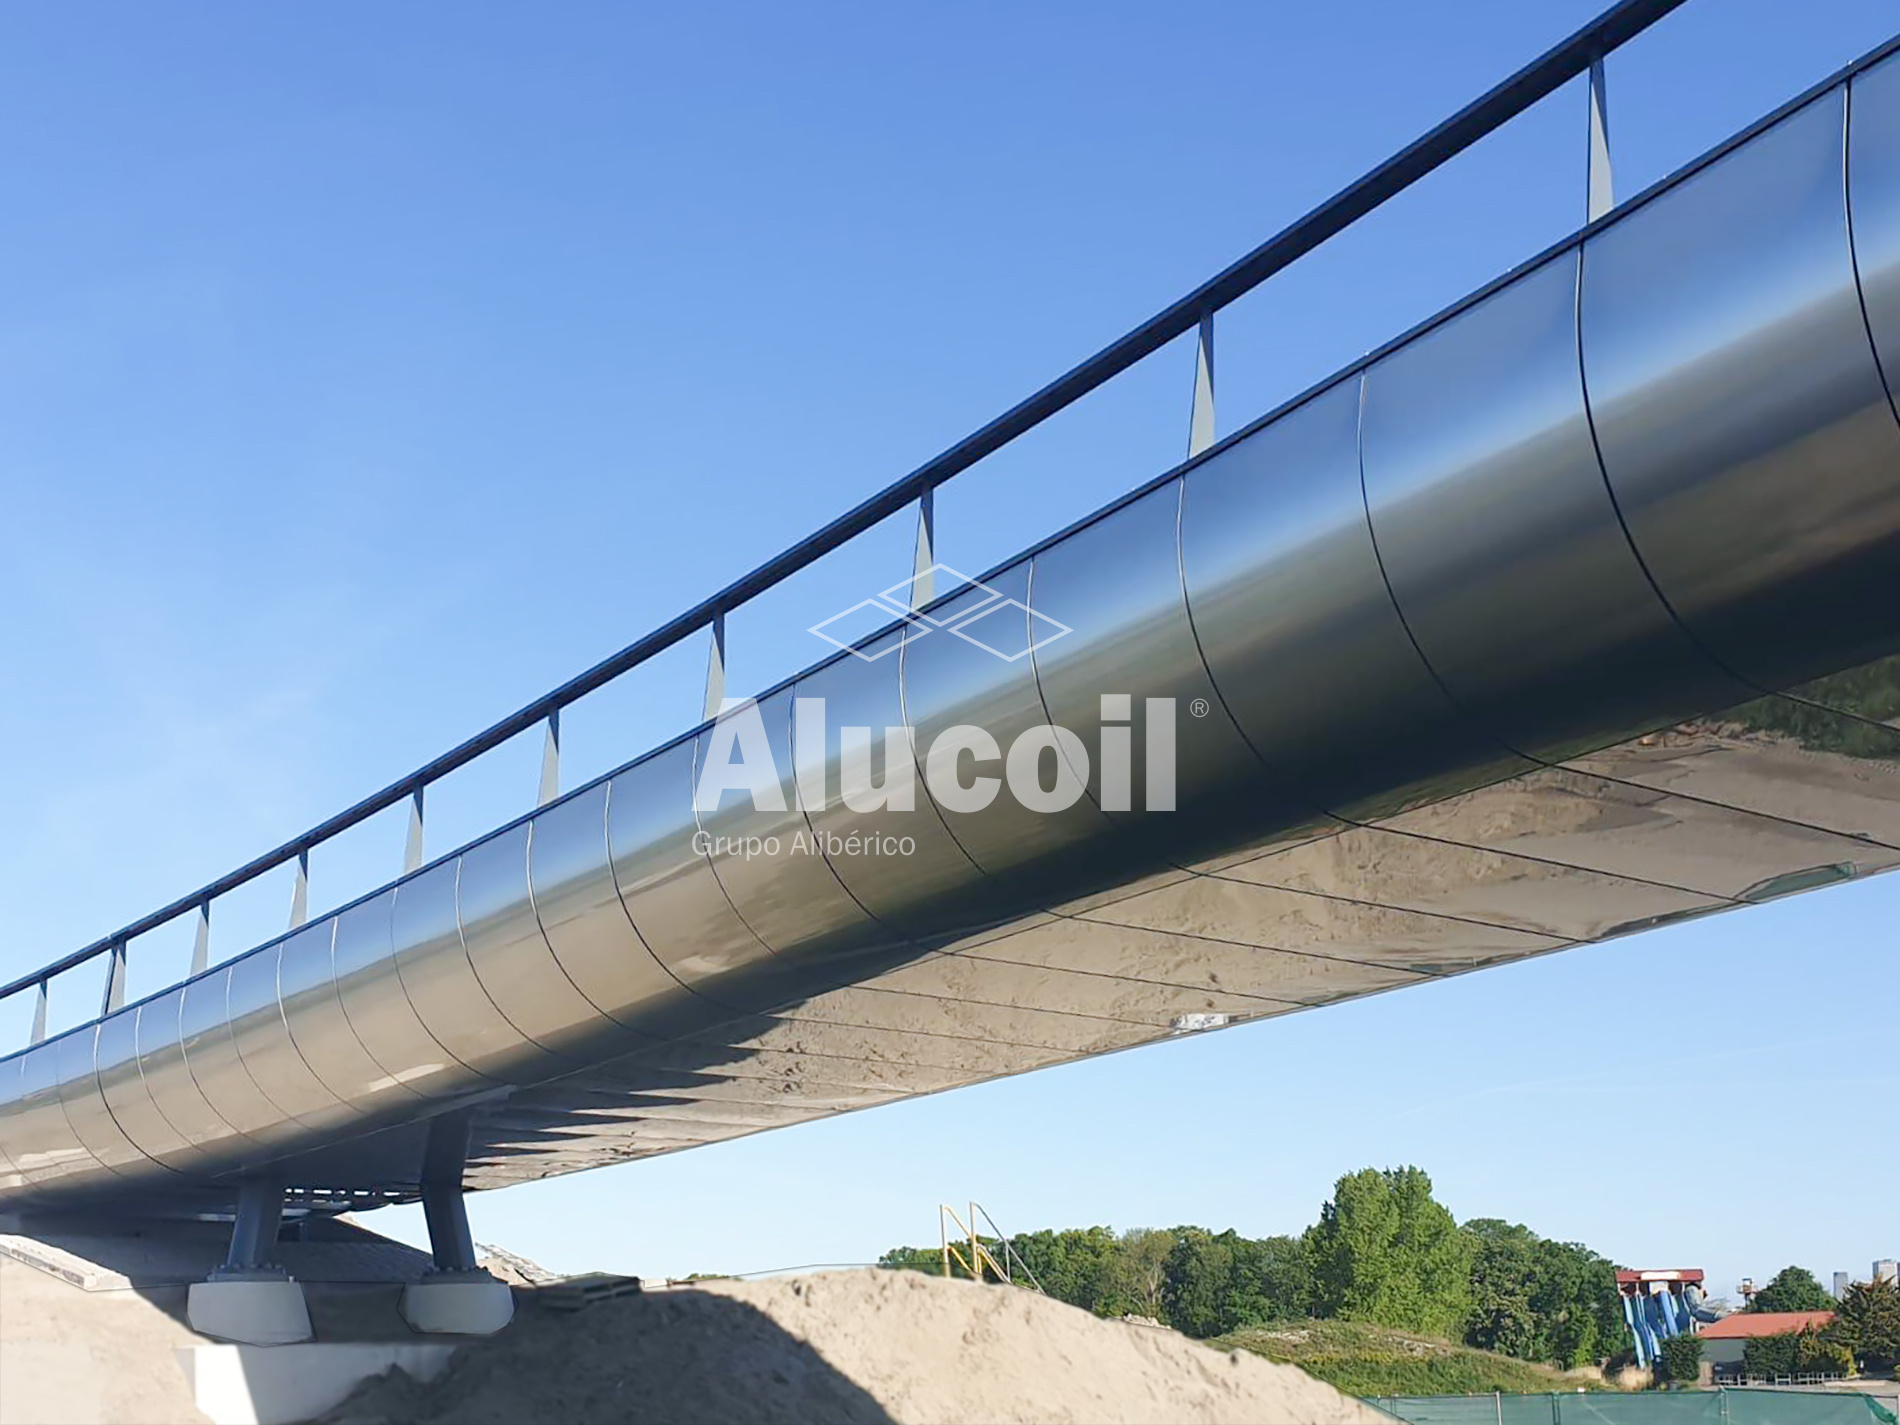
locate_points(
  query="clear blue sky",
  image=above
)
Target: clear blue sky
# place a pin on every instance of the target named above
(367, 370)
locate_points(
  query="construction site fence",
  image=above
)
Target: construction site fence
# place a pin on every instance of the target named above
(1698, 1407)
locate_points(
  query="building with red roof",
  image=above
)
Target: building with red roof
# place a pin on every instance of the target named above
(1724, 1340)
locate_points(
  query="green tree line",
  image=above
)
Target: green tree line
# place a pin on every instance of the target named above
(1383, 1251)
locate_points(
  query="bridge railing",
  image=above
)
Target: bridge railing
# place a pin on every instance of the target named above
(1581, 53)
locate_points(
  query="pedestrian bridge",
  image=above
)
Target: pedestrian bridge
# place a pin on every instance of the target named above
(1568, 614)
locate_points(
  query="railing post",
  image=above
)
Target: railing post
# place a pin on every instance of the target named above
(300, 891)
(38, 1035)
(1201, 418)
(922, 581)
(715, 670)
(201, 942)
(1602, 195)
(412, 848)
(113, 1000)
(551, 761)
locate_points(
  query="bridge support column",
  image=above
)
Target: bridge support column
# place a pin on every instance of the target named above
(458, 1297)
(250, 1299)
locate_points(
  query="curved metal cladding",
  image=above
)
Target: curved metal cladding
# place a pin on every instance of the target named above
(1565, 617)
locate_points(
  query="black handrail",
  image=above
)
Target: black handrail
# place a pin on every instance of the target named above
(1557, 66)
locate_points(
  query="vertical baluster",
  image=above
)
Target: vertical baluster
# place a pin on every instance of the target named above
(113, 999)
(412, 848)
(201, 942)
(923, 581)
(1201, 419)
(39, 1015)
(715, 670)
(551, 761)
(300, 892)
(1602, 191)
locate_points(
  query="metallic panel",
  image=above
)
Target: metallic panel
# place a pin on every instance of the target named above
(934, 890)
(40, 1139)
(377, 1007)
(211, 1056)
(789, 897)
(1469, 883)
(997, 983)
(442, 986)
(1299, 630)
(130, 1102)
(915, 1033)
(12, 1180)
(1142, 955)
(168, 1079)
(1625, 830)
(1873, 192)
(1774, 756)
(1742, 422)
(570, 876)
(950, 678)
(263, 1039)
(1117, 584)
(320, 1031)
(85, 1105)
(1499, 540)
(511, 956)
(874, 1007)
(671, 895)
(1269, 917)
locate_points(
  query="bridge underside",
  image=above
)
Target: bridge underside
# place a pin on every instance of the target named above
(1570, 615)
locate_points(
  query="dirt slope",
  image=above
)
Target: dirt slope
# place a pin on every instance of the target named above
(849, 1348)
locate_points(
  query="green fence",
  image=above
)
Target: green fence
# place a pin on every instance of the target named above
(1699, 1407)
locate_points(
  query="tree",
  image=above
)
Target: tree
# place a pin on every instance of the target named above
(1538, 1299)
(1869, 1323)
(917, 1259)
(1199, 1282)
(1385, 1251)
(1793, 1289)
(1140, 1275)
(1501, 1282)
(1271, 1281)
(1681, 1362)
(1075, 1265)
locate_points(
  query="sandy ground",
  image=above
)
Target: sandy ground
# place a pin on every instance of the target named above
(69, 1356)
(849, 1348)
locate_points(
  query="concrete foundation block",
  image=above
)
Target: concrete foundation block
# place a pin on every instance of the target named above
(458, 1303)
(262, 1308)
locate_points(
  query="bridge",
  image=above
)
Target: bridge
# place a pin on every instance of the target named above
(1565, 615)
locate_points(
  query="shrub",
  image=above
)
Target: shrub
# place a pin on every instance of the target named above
(1797, 1353)
(1769, 1356)
(1681, 1362)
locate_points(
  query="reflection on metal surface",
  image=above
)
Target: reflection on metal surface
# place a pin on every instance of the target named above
(1569, 617)
(1498, 537)
(1462, 882)
(1286, 594)
(1637, 832)
(1741, 417)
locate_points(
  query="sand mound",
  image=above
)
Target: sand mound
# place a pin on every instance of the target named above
(846, 1348)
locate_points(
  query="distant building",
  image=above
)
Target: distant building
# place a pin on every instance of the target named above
(1722, 1341)
(1842, 1280)
(1886, 1271)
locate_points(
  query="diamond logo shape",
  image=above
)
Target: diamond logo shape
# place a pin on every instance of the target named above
(1040, 629)
(846, 622)
(900, 597)
(957, 614)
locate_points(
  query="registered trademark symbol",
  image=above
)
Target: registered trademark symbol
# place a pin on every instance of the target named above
(1198, 707)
